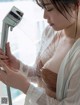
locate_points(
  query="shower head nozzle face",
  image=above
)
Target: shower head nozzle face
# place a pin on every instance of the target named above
(13, 17)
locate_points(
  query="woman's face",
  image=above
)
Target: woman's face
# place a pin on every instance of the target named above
(56, 19)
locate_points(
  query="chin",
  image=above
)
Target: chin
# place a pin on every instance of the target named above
(56, 28)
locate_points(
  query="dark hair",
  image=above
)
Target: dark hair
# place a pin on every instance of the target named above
(61, 5)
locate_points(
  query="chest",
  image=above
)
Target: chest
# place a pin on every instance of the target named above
(51, 67)
(54, 55)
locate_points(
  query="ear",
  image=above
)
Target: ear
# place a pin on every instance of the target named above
(78, 3)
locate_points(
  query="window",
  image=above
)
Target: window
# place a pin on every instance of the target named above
(24, 37)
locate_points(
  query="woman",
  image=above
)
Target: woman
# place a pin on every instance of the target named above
(59, 68)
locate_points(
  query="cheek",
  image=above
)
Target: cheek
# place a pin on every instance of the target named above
(60, 21)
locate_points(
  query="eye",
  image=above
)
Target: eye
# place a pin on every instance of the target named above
(51, 9)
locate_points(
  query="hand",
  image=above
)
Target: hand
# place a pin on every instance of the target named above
(49, 79)
(48, 91)
(4, 57)
(13, 78)
(9, 59)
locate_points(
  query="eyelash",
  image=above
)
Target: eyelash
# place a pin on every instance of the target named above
(49, 9)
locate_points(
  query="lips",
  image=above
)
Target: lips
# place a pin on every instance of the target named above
(51, 24)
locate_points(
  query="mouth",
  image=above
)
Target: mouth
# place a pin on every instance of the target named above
(51, 24)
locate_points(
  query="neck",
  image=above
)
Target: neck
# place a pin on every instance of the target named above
(71, 31)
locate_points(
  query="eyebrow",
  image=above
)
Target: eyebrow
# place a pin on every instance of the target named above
(47, 3)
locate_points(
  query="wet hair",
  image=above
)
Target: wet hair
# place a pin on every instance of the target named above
(61, 5)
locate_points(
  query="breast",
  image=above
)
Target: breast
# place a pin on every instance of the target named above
(49, 78)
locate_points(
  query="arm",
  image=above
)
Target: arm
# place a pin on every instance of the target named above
(16, 63)
(39, 96)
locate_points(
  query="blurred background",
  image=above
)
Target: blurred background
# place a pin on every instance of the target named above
(24, 38)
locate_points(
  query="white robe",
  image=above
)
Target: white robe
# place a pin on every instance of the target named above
(68, 83)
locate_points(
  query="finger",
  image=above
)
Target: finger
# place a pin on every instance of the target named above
(1, 52)
(16, 70)
(2, 73)
(3, 57)
(5, 67)
(7, 62)
(8, 50)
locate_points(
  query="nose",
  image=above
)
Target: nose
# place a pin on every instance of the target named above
(46, 16)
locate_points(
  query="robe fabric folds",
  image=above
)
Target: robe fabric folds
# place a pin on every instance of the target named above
(68, 82)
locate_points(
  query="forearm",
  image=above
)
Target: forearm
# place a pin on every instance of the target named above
(31, 74)
(28, 71)
(24, 88)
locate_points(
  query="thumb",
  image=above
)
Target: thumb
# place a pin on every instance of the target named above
(8, 50)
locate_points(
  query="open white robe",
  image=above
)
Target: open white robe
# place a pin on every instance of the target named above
(68, 83)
